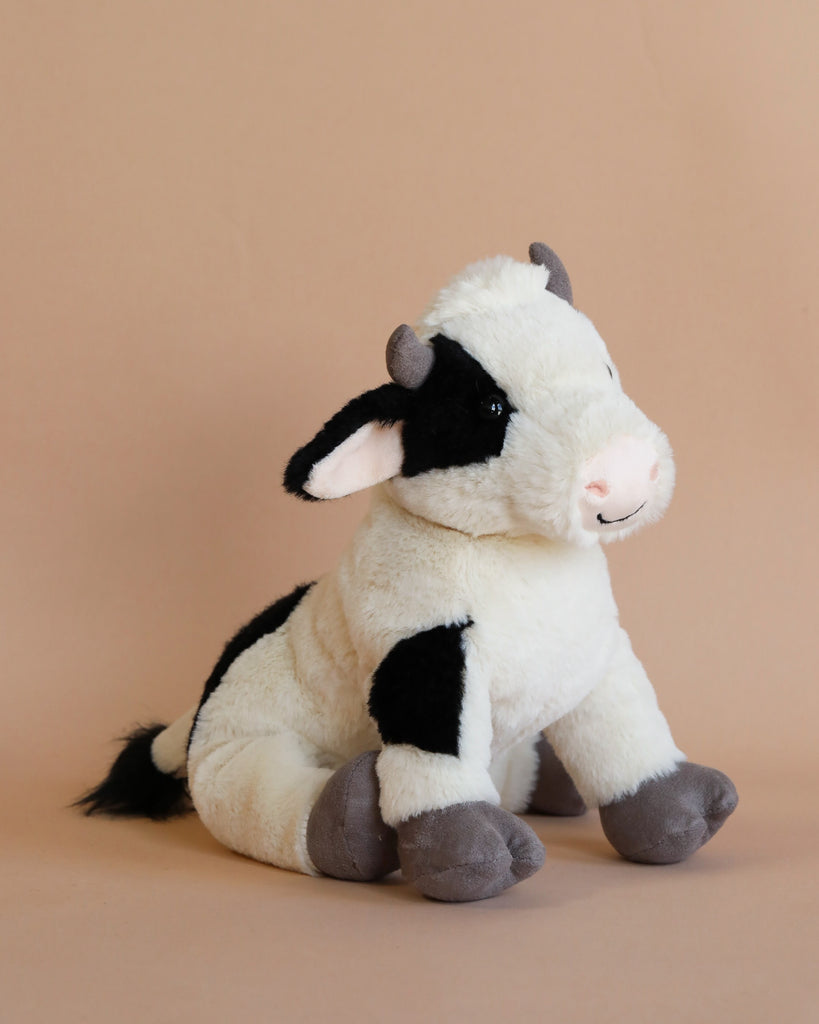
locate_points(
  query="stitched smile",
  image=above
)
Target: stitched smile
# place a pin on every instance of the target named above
(608, 522)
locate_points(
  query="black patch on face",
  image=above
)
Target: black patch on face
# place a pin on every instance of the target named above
(385, 405)
(418, 690)
(458, 416)
(268, 621)
(135, 787)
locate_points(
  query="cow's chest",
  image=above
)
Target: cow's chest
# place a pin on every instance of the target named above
(544, 628)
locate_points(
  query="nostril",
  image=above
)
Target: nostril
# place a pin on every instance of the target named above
(654, 471)
(598, 488)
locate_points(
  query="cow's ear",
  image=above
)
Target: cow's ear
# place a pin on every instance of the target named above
(360, 446)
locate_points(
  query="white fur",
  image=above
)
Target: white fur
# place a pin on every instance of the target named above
(514, 773)
(552, 364)
(616, 737)
(545, 635)
(169, 748)
(503, 544)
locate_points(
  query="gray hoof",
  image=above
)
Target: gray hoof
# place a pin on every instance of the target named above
(667, 819)
(467, 852)
(554, 791)
(346, 835)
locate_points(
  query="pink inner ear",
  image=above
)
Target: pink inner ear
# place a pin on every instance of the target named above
(372, 454)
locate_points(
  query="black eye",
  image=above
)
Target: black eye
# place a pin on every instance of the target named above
(492, 407)
(610, 371)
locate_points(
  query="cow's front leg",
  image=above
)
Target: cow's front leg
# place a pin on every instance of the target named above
(467, 851)
(671, 817)
(454, 842)
(654, 806)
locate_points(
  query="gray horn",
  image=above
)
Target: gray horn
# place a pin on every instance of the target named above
(559, 282)
(408, 361)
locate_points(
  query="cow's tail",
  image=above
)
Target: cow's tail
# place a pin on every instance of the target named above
(148, 778)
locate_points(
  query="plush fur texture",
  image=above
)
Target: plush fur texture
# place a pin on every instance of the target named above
(384, 406)
(557, 373)
(169, 750)
(345, 469)
(417, 691)
(515, 772)
(135, 787)
(334, 641)
(261, 625)
(553, 792)
(471, 611)
(449, 422)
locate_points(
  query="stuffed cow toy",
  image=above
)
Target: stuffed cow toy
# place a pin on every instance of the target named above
(463, 663)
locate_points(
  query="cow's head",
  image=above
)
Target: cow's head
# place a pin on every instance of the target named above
(505, 415)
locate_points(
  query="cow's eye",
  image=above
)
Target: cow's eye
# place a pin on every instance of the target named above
(492, 407)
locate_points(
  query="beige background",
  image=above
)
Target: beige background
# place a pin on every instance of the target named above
(213, 215)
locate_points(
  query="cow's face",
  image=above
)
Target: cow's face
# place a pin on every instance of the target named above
(510, 419)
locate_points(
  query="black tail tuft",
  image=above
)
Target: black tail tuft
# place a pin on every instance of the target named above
(135, 787)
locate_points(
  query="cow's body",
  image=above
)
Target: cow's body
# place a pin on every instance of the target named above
(543, 635)
(472, 611)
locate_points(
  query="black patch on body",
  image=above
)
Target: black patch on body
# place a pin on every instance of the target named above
(135, 787)
(448, 423)
(418, 689)
(268, 621)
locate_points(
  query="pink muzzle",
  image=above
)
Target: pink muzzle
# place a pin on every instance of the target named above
(618, 482)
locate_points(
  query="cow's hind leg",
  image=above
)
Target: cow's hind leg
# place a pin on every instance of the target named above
(255, 794)
(531, 779)
(273, 798)
(346, 835)
(554, 791)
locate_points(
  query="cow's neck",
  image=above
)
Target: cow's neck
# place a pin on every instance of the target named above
(384, 505)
